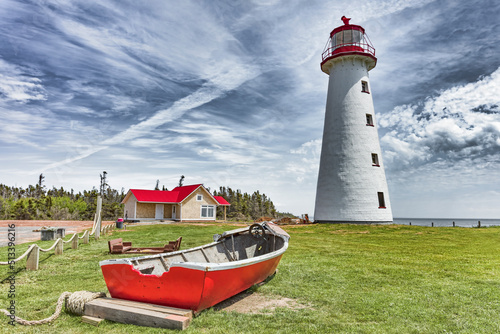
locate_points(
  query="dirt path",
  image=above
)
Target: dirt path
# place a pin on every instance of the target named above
(24, 228)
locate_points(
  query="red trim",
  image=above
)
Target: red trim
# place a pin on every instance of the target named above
(369, 124)
(364, 91)
(352, 53)
(347, 27)
(382, 207)
(375, 165)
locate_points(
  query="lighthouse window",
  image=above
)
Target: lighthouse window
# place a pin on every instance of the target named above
(347, 36)
(356, 36)
(369, 120)
(338, 39)
(381, 201)
(364, 87)
(375, 160)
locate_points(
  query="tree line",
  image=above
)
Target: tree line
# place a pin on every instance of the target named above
(38, 203)
(246, 207)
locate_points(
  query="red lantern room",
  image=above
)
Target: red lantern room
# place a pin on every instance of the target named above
(348, 40)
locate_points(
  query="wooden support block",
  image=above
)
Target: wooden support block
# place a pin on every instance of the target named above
(136, 313)
(91, 320)
(152, 307)
(59, 247)
(32, 260)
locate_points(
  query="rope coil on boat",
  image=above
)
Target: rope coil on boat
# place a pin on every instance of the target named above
(75, 304)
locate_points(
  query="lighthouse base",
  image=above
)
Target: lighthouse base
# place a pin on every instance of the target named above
(353, 222)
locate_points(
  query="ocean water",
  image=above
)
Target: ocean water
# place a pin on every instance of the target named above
(442, 222)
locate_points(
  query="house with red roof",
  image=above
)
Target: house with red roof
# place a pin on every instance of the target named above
(186, 203)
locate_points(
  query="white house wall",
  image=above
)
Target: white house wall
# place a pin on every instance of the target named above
(129, 208)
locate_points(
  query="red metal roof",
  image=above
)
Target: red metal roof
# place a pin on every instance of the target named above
(347, 27)
(176, 195)
(221, 200)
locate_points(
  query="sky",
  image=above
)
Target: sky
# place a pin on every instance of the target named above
(230, 93)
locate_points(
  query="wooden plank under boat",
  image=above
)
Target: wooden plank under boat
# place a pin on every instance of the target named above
(203, 276)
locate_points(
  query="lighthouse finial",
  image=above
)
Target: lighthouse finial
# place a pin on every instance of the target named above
(345, 20)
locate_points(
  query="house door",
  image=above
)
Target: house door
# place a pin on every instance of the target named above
(159, 211)
(173, 212)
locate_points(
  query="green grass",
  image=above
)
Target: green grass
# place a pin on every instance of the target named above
(354, 278)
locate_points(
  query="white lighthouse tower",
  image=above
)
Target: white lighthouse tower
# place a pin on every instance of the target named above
(352, 187)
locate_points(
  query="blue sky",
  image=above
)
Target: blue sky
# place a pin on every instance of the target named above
(230, 93)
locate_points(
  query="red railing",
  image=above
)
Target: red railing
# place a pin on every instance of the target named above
(347, 48)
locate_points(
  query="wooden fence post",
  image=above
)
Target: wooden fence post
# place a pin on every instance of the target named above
(74, 243)
(59, 247)
(32, 261)
(85, 239)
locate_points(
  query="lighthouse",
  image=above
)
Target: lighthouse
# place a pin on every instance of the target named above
(352, 186)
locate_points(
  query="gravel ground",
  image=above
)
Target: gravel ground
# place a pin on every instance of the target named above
(24, 228)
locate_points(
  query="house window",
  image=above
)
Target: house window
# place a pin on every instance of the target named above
(369, 120)
(364, 87)
(199, 198)
(381, 201)
(375, 160)
(207, 211)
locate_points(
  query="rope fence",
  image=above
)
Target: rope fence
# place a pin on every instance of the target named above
(75, 302)
(33, 252)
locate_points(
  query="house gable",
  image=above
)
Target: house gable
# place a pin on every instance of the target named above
(193, 203)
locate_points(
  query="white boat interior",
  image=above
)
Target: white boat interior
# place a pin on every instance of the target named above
(237, 245)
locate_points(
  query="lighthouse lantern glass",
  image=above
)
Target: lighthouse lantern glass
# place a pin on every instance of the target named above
(346, 38)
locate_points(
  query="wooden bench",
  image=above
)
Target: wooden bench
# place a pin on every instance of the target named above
(118, 246)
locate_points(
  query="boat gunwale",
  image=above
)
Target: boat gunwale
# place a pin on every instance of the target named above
(205, 266)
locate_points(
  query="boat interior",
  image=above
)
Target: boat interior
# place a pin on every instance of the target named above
(229, 247)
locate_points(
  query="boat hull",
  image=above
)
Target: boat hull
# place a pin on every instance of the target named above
(187, 288)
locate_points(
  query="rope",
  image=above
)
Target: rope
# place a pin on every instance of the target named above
(22, 256)
(75, 304)
(51, 248)
(83, 236)
(71, 239)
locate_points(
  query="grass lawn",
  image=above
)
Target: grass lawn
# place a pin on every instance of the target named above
(354, 278)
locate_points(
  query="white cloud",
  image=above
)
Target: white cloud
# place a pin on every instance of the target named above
(303, 163)
(463, 121)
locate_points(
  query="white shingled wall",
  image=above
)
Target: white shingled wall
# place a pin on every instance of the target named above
(348, 183)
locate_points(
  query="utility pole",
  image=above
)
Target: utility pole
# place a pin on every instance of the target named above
(103, 183)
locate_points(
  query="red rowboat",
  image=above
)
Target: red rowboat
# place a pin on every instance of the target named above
(199, 277)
